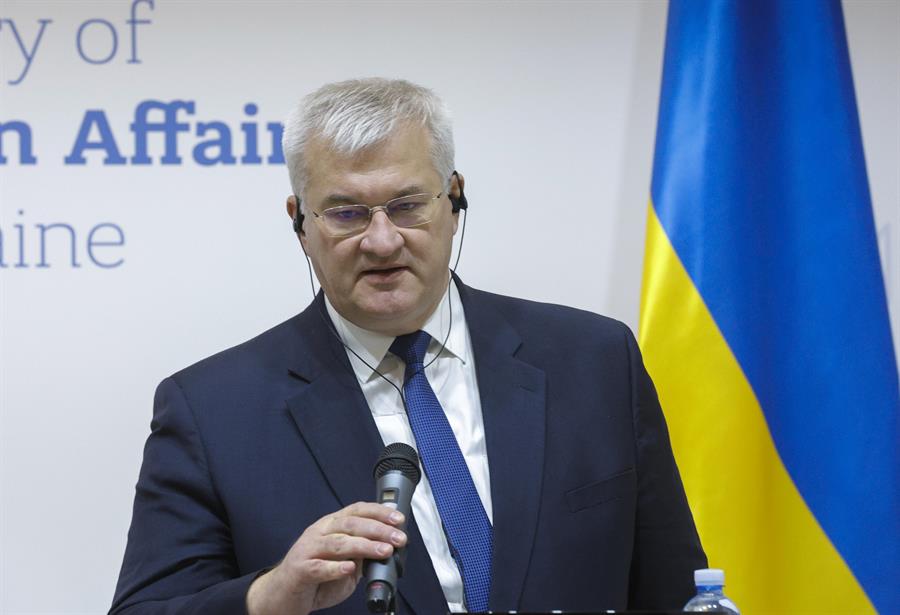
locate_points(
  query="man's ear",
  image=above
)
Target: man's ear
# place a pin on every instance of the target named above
(293, 211)
(457, 196)
(456, 192)
(458, 183)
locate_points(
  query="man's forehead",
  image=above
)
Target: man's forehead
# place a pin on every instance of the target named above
(403, 161)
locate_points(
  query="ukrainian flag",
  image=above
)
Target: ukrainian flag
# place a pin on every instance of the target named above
(764, 320)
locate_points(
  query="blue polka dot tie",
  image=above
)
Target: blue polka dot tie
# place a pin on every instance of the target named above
(468, 530)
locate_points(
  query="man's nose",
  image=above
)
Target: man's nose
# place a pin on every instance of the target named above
(381, 238)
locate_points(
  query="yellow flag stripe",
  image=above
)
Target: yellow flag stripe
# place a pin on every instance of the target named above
(751, 518)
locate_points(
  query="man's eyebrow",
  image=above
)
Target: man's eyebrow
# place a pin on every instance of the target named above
(333, 200)
(339, 199)
(412, 189)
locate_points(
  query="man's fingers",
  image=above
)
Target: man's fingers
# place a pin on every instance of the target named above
(317, 571)
(329, 548)
(371, 510)
(344, 547)
(366, 528)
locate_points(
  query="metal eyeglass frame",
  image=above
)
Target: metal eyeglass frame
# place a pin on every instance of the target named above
(320, 217)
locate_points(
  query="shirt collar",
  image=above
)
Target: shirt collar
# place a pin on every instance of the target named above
(372, 347)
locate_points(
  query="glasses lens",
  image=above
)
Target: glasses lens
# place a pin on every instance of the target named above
(410, 210)
(346, 219)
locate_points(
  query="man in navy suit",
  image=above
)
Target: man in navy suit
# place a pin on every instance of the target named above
(255, 491)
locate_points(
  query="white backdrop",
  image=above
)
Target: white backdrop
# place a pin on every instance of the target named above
(555, 106)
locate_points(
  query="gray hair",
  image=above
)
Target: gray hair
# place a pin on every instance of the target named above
(356, 114)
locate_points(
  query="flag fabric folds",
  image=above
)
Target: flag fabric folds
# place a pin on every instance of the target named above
(764, 320)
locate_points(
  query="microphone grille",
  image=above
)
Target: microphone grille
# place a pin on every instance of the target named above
(401, 457)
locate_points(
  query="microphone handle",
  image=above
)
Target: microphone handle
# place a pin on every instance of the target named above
(394, 490)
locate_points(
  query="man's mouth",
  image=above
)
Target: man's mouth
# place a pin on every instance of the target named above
(384, 274)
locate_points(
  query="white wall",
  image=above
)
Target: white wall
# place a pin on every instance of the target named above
(555, 106)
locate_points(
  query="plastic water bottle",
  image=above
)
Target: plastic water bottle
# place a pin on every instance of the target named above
(709, 582)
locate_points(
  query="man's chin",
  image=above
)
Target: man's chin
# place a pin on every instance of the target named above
(392, 313)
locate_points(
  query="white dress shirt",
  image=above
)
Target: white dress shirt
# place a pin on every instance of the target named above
(452, 376)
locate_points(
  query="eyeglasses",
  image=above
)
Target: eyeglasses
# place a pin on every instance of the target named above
(405, 212)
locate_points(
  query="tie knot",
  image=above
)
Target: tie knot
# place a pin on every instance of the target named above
(411, 347)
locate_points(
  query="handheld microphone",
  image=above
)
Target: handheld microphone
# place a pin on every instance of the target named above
(396, 476)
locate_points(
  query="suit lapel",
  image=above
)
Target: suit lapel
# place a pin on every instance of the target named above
(336, 424)
(341, 434)
(513, 406)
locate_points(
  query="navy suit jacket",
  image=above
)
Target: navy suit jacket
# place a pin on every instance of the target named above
(252, 445)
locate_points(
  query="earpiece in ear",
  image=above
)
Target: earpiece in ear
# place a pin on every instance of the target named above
(458, 202)
(298, 217)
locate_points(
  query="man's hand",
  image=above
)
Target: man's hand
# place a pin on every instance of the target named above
(325, 564)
